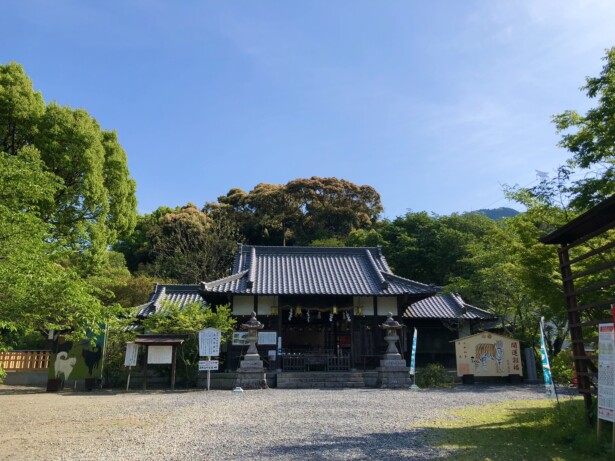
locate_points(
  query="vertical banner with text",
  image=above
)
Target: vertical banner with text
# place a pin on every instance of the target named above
(413, 354)
(546, 368)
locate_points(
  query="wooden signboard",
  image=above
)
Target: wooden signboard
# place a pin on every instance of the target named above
(160, 354)
(488, 354)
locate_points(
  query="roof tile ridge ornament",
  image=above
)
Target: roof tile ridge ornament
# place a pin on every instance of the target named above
(460, 302)
(252, 270)
(382, 281)
(239, 259)
(434, 288)
(205, 286)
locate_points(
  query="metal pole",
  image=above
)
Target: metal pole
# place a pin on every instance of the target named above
(208, 372)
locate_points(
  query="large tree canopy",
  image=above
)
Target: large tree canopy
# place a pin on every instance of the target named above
(39, 290)
(65, 196)
(188, 247)
(96, 201)
(301, 211)
(592, 139)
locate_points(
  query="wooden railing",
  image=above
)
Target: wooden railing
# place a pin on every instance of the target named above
(315, 362)
(338, 363)
(25, 360)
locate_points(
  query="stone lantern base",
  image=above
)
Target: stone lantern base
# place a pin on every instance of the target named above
(393, 377)
(393, 373)
(251, 374)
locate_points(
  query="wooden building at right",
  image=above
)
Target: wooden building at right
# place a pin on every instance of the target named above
(587, 265)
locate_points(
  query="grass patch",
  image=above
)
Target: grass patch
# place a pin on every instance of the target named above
(519, 430)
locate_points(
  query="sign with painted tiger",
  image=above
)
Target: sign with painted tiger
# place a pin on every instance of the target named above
(488, 354)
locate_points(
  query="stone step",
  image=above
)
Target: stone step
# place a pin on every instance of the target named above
(319, 385)
(321, 375)
(320, 378)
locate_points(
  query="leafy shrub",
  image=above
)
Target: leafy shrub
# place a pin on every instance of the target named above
(434, 375)
(2, 375)
(562, 368)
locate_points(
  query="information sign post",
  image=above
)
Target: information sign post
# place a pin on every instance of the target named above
(606, 375)
(209, 346)
(130, 360)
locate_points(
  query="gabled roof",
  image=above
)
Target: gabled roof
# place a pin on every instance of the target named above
(182, 294)
(446, 306)
(268, 270)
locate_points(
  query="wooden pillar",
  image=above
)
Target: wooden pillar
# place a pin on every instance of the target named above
(145, 349)
(352, 352)
(576, 334)
(173, 363)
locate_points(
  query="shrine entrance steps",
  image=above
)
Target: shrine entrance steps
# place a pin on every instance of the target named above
(322, 380)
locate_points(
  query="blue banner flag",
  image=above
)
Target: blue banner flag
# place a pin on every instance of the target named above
(546, 368)
(413, 355)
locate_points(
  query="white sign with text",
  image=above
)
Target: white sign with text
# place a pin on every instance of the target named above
(209, 342)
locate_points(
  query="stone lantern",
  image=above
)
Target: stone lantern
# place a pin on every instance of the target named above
(251, 373)
(392, 326)
(393, 371)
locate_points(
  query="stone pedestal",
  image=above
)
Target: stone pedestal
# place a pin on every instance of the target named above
(251, 373)
(393, 373)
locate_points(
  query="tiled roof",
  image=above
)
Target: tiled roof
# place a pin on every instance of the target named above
(182, 294)
(266, 270)
(447, 306)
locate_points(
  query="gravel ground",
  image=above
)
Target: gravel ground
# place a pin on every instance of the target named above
(221, 425)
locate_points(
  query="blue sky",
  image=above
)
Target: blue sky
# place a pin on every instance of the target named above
(435, 104)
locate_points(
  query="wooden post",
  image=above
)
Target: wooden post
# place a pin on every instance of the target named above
(208, 373)
(146, 348)
(173, 367)
(128, 380)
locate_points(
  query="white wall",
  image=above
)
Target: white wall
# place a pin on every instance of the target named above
(367, 302)
(243, 305)
(387, 304)
(265, 303)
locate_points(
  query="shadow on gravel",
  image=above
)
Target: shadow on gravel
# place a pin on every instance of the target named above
(386, 446)
(18, 390)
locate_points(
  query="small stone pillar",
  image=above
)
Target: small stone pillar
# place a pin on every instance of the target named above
(393, 372)
(251, 373)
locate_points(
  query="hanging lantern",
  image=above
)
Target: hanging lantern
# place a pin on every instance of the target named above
(334, 310)
(319, 316)
(274, 310)
(298, 311)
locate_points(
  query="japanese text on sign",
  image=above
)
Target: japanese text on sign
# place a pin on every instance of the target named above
(208, 365)
(209, 342)
(606, 372)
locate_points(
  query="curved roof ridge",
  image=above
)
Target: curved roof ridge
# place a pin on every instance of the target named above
(382, 281)
(222, 281)
(434, 288)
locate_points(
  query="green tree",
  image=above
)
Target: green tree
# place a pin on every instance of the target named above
(299, 212)
(96, 202)
(592, 139)
(189, 320)
(189, 247)
(136, 246)
(39, 289)
(430, 248)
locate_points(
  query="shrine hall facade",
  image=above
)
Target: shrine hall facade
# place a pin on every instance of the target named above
(321, 308)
